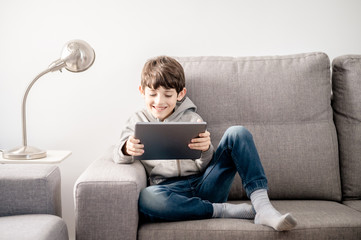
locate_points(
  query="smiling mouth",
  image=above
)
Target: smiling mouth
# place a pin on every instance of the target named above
(159, 109)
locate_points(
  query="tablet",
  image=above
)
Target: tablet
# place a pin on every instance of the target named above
(168, 140)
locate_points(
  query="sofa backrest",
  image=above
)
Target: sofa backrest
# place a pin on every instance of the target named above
(285, 102)
(346, 86)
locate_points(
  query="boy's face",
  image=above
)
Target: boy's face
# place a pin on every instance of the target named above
(161, 102)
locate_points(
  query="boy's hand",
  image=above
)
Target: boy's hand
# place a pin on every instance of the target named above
(202, 142)
(133, 147)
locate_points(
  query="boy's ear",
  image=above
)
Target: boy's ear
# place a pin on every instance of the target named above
(181, 94)
(141, 90)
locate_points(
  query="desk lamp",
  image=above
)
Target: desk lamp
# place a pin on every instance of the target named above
(76, 56)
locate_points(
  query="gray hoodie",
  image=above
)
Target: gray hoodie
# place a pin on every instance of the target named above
(159, 170)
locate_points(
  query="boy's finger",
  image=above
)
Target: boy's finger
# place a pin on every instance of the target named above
(138, 146)
(202, 139)
(205, 134)
(134, 140)
(137, 152)
(198, 146)
(195, 140)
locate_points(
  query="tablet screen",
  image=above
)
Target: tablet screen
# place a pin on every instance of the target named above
(168, 140)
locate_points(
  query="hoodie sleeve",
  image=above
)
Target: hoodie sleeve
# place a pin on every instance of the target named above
(206, 157)
(128, 130)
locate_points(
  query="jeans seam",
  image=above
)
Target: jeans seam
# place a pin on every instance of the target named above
(242, 177)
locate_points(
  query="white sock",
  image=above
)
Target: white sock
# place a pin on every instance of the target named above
(227, 210)
(267, 215)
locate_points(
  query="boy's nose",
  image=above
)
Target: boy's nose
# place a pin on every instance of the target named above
(158, 99)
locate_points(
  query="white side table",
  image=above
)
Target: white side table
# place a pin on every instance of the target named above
(52, 156)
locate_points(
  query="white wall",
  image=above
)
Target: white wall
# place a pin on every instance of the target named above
(84, 112)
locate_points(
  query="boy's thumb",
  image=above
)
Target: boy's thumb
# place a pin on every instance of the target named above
(199, 120)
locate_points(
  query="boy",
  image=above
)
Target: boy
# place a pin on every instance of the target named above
(195, 189)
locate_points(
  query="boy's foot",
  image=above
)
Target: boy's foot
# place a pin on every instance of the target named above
(275, 220)
(227, 210)
(268, 215)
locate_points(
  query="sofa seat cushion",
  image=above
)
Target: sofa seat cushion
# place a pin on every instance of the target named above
(355, 204)
(33, 226)
(316, 220)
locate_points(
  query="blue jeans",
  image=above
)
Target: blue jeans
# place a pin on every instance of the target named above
(191, 198)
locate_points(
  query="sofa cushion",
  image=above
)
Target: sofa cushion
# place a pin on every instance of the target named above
(316, 220)
(285, 102)
(30, 189)
(33, 226)
(355, 204)
(346, 86)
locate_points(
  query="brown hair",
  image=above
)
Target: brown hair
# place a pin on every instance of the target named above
(163, 71)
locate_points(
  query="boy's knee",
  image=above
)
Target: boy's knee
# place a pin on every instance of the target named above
(239, 132)
(146, 197)
(150, 200)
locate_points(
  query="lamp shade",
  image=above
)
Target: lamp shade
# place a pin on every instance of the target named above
(78, 56)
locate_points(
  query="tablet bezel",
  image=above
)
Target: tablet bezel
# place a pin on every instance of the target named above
(168, 140)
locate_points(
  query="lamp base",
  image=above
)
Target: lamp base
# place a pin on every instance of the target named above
(24, 153)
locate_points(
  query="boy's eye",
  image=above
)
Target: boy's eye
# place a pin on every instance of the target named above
(168, 96)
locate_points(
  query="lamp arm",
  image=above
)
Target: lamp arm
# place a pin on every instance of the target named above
(54, 66)
(23, 107)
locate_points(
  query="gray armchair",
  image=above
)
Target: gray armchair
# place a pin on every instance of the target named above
(30, 203)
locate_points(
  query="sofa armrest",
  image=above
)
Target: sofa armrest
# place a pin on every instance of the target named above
(30, 189)
(106, 199)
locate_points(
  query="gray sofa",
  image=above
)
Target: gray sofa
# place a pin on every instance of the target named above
(30, 203)
(306, 125)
